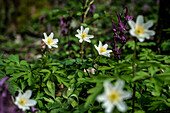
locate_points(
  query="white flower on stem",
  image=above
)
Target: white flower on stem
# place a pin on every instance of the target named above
(140, 29)
(102, 50)
(83, 35)
(114, 96)
(23, 101)
(49, 41)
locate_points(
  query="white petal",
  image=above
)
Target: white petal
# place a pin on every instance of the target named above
(86, 30)
(148, 24)
(108, 51)
(82, 29)
(25, 108)
(31, 102)
(125, 95)
(132, 32)
(101, 97)
(140, 39)
(27, 94)
(147, 37)
(150, 32)
(108, 107)
(46, 43)
(122, 107)
(79, 32)
(49, 46)
(45, 35)
(108, 87)
(78, 36)
(96, 48)
(90, 36)
(131, 24)
(43, 40)
(106, 54)
(51, 35)
(139, 21)
(56, 46)
(100, 44)
(105, 46)
(119, 85)
(19, 95)
(87, 40)
(55, 41)
(81, 40)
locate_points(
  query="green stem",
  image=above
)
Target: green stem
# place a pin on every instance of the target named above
(82, 52)
(86, 7)
(98, 65)
(134, 74)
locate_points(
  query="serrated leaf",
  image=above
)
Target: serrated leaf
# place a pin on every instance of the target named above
(50, 90)
(94, 92)
(47, 75)
(14, 58)
(49, 100)
(29, 79)
(17, 75)
(140, 75)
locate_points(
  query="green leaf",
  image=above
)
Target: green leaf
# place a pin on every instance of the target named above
(14, 58)
(139, 111)
(94, 92)
(164, 76)
(30, 79)
(102, 68)
(2, 75)
(49, 100)
(50, 90)
(140, 75)
(95, 16)
(17, 75)
(80, 74)
(47, 75)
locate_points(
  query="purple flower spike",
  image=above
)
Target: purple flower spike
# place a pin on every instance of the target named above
(119, 32)
(4, 94)
(2, 81)
(92, 9)
(33, 110)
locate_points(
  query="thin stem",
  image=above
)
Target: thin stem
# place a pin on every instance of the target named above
(84, 21)
(134, 74)
(82, 52)
(98, 64)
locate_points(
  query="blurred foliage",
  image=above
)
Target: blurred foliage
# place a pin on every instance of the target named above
(57, 77)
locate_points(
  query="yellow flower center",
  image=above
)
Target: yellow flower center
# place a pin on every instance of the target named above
(102, 49)
(114, 96)
(139, 30)
(49, 41)
(83, 35)
(22, 101)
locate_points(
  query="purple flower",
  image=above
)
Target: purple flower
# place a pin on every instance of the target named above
(33, 110)
(119, 31)
(145, 7)
(2, 81)
(65, 23)
(92, 9)
(6, 105)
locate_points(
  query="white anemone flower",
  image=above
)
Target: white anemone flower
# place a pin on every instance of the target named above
(140, 29)
(83, 35)
(114, 96)
(23, 101)
(49, 41)
(102, 50)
